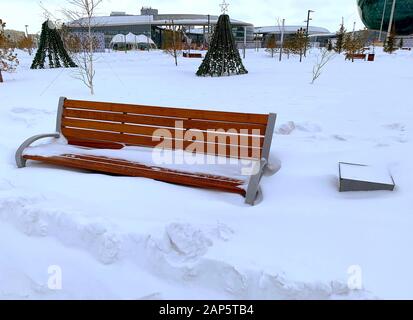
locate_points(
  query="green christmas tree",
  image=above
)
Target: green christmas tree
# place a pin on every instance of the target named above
(390, 44)
(51, 46)
(340, 39)
(223, 57)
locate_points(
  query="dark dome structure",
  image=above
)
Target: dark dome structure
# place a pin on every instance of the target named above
(371, 12)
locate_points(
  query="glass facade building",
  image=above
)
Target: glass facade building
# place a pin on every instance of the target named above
(151, 24)
(111, 31)
(371, 12)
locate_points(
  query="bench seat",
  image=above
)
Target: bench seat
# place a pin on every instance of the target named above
(138, 162)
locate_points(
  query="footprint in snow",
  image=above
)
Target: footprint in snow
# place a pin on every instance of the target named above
(396, 127)
(30, 111)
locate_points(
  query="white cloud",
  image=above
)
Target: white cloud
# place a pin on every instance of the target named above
(18, 13)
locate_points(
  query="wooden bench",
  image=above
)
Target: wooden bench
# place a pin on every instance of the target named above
(356, 56)
(192, 55)
(101, 126)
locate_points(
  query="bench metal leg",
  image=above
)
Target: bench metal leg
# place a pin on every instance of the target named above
(20, 161)
(260, 196)
(253, 190)
(254, 193)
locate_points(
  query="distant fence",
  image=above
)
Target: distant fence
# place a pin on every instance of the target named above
(249, 44)
(407, 42)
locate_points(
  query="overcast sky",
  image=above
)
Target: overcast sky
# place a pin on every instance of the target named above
(18, 13)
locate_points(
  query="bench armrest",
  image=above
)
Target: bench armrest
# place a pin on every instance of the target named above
(20, 161)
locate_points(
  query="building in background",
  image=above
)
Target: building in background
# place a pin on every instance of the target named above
(371, 12)
(14, 36)
(318, 36)
(152, 24)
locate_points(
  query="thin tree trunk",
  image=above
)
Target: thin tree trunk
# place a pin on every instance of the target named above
(174, 44)
(1, 77)
(92, 91)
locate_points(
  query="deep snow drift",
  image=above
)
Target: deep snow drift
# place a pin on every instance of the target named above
(119, 237)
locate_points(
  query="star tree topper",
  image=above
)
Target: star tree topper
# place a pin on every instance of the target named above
(224, 7)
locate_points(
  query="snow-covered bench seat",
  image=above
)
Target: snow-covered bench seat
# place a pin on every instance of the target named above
(225, 151)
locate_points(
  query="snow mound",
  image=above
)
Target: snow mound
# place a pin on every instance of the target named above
(308, 127)
(187, 241)
(286, 128)
(180, 254)
(291, 126)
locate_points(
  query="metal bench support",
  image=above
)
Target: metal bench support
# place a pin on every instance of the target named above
(254, 193)
(20, 161)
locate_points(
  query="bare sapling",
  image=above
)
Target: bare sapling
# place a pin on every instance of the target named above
(81, 15)
(322, 60)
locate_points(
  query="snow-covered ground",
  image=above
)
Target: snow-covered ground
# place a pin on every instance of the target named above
(120, 237)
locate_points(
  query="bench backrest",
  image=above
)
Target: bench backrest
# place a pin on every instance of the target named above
(114, 125)
(192, 55)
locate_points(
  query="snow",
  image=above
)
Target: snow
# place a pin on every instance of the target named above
(119, 38)
(131, 38)
(365, 173)
(133, 238)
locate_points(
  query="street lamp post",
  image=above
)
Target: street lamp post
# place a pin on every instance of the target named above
(282, 39)
(150, 33)
(27, 36)
(245, 40)
(354, 29)
(382, 19)
(391, 19)
(308, 25)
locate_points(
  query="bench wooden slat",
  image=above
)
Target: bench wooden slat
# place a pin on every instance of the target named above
(170, 112)
(162, 121)
(138, 171)
(136, 140)
(96, 144)
(228, 180)
(360, 56)
(151, 131)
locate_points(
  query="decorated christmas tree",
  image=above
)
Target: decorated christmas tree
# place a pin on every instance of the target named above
(51, 46)
(223, 57)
